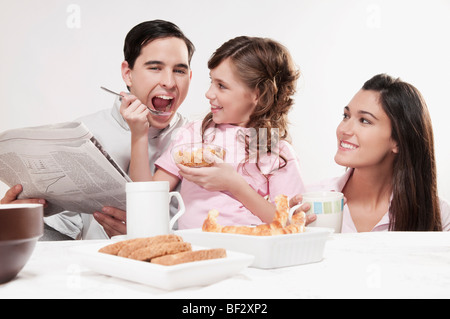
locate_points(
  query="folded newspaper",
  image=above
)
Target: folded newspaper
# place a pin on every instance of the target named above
(64, 164)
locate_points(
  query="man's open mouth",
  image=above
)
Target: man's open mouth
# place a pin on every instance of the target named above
(162, 102)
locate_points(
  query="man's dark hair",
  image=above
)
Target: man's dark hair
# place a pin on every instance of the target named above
(148, 31)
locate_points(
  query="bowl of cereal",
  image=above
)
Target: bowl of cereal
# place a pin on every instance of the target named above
(198, 154)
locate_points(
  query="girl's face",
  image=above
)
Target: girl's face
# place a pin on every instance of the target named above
(364, 135)
(232, 102)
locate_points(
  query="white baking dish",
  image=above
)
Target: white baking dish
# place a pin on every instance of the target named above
(198, 273)
(269, 251)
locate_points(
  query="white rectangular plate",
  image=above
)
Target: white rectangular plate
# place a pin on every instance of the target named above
(198, 273)
(269, 251)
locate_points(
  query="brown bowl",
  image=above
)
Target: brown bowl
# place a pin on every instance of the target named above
(21, 225)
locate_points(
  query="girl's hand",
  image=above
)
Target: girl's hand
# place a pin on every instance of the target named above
(219, 177)
(135, 113)
(223, 177)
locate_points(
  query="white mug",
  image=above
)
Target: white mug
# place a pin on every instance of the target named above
(148, 209)
(328, 207)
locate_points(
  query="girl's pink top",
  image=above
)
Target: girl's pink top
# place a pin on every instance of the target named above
(198, 201)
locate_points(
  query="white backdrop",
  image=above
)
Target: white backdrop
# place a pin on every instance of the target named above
(55, 54)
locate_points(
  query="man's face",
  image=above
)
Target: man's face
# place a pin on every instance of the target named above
(160, 77)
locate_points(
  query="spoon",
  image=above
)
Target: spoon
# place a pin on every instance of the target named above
(154, 112)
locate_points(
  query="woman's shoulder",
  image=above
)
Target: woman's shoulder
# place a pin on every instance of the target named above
(336, 183)
(445, 214)
(445, 206)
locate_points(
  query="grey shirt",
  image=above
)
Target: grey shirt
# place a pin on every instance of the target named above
(112, 131)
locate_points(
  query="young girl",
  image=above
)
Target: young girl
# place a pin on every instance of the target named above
(386, 139)
(252, 83)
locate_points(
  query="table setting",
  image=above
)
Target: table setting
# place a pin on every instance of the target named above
(350, 265)
(359, 265)
(285, 259)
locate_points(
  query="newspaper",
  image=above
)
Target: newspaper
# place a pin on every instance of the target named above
(64, 164)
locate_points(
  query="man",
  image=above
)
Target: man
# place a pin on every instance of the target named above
(156, 70)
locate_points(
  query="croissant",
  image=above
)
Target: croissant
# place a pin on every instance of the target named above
(277, 227)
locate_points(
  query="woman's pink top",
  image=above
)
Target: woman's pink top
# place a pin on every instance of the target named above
(338, 183)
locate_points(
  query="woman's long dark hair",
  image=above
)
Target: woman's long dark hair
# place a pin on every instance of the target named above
(415, 203)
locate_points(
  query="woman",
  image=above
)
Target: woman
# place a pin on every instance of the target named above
(386, 139)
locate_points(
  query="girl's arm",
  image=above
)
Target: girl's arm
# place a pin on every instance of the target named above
(253, 201)
(163, 175)
(223, 177)
(135, 113)
(139, 170)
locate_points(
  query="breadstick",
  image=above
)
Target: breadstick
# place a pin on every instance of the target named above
(157, 250)
(189, 256)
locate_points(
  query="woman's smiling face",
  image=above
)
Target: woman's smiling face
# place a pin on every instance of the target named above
(364, 135)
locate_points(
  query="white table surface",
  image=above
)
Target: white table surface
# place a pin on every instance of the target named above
(363, 265)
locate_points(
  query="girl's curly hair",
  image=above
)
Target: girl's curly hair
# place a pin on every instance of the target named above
(267, 66)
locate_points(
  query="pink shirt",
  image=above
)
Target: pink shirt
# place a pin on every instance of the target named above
(338, 184)
(198, 201)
